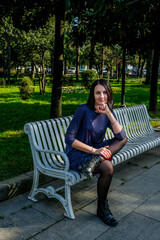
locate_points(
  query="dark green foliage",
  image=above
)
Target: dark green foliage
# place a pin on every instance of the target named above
(26, 88)
(67, 80)
(88, 77)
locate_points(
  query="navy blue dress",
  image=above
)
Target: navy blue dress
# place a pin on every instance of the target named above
(88, 127)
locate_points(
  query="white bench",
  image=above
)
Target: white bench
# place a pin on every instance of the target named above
(47, 144)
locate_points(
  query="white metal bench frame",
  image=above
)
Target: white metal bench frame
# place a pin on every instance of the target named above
(47, 145)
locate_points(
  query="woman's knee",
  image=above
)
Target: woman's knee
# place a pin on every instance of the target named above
(124, 141)
(107, 167)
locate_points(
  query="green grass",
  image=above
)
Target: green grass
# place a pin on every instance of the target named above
(15, 153)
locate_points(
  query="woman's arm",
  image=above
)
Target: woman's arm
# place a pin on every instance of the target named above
(88, 149)
(82, 146)
(75, 125)
(117, 128)
(114, 123)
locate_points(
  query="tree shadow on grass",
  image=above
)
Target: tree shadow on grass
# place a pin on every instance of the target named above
(9, 95)
(15, 152)
(15, 156)
(15, 115)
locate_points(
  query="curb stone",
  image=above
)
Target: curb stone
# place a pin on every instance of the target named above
(14, 186)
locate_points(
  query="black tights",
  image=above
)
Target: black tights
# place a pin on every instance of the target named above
(105, 169)
(116, 145)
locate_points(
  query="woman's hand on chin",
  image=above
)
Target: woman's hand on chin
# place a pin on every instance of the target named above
(102, 108)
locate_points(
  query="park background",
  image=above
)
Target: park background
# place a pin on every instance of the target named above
(54, 43)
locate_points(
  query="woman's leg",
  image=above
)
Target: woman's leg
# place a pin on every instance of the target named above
(116, 145)
(105, 169)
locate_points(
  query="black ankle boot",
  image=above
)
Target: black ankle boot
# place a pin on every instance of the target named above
(104, 213)
(88, 168)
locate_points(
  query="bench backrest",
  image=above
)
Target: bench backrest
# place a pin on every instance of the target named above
(135, 120)
(50, 134)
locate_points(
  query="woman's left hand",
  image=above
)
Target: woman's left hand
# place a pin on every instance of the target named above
(104, 152)
(102, 108)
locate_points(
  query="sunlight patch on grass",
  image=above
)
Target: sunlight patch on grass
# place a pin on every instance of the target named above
(10, 134)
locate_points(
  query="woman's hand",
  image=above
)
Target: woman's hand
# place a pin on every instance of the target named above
(104, 152)
(102, 108)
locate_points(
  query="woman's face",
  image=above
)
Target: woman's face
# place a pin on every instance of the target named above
(100, 95)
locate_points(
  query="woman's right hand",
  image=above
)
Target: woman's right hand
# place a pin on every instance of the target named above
(104, 152)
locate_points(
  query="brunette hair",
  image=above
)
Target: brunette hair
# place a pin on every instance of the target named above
(106, 85)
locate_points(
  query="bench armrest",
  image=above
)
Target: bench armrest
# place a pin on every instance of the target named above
(156, 129)
(155, 119)
(62, 154)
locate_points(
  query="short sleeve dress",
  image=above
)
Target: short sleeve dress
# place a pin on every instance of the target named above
(88, 127)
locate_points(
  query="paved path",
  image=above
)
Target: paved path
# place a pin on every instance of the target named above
(134, 199)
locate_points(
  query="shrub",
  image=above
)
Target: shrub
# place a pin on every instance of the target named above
(88, 77)
(26, 88)
(67, 80)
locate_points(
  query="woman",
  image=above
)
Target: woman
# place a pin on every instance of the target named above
(85, 146)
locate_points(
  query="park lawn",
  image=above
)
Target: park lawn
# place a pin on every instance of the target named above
(15, 153)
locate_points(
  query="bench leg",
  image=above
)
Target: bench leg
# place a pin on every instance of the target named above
(34, 186)
(51, 192)
(68, 204)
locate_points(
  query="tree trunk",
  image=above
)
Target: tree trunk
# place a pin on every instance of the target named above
(118, 70)
(56, 99)
(108, 75)
(65, 66)
(139, 64)
(5, 60)
(141, 69)
(9, 62)
(154, 79)
(123, 79)
(77, 62)
(149, 68)
(22, 70)
(52, 65)
(39, 77)
(42, 76)
(91, 57)
(17, 73)
(102, 63)
(111, 72)
(33, 71)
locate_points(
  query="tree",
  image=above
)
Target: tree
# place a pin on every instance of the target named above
(39, 42)
(21, 47)
(56, 100)
(154, 27)
(78, 33)
(127, 23)
(61, 7)
(28, 14)
(69, 51)
(6, 35)
(134, 26)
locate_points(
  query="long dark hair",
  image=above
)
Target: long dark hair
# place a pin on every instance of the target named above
(106, 85)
